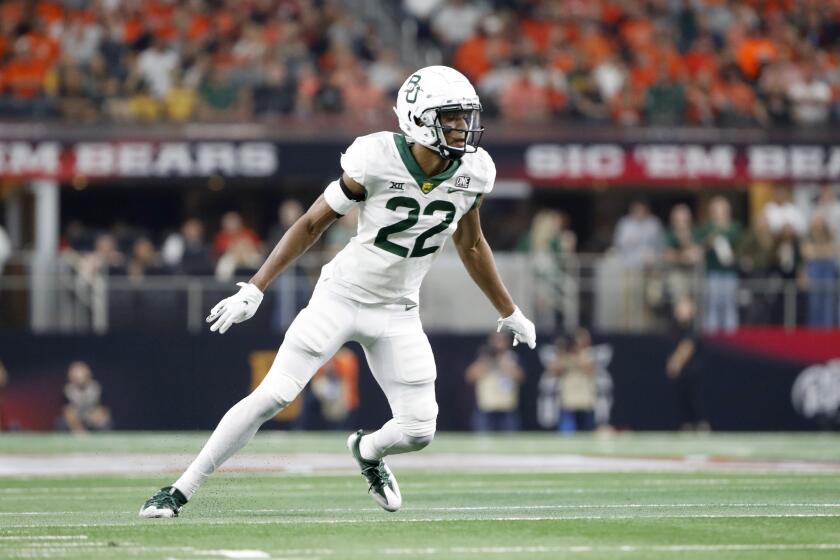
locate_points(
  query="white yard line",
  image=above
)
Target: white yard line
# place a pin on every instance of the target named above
(156, 463)
(479, 508)
(43, 537)
(481, 550)
(367, 520)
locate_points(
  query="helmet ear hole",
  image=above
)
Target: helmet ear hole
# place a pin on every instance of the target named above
(418, 122)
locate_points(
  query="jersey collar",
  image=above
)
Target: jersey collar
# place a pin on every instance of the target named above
(426, 183)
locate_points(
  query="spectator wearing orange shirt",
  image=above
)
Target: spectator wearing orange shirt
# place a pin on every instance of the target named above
(233, 231)
(476, 56)
(735, 102)
(333, 395)
(238, 247)
(525, 99)
(22, 82)
(753, 53)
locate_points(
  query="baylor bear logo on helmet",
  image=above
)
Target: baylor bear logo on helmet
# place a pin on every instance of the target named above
(419, 109)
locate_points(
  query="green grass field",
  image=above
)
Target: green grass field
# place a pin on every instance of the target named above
(627, 496)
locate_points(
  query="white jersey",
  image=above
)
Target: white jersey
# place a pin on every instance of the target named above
(404, 220)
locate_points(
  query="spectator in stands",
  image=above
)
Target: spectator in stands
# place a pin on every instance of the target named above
(22, 80)
(185, 252)
(755, 263)
(719, 238)
(497, 377)
(104, 259)
(455, 22)
(549, 245)
(233, 231)
(525, 97)
(637, 242)
(340, 233)
(181, 100)
(638, 235)
(819, 250)
(626, 107)
(682, 253)
(144, 261)
(275, 90)
(576, 370)
(665, 101)
(83, 410)
(684, 367)
(333, 395)
(157, 66)
(735, 102)
(143, 107)
(221, 98)
(828, 206)
(386, 73)
(781, 211)
(810, 97)
(610, 75)
(788, 271)
(237, 246)
(78, 100)
(362, 99)
(293, 288)
(5, 248)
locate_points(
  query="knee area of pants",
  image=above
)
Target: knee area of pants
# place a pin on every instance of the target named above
(419, 419)
(419, 442)
(281, 387)
(265, 402)
(418, 432)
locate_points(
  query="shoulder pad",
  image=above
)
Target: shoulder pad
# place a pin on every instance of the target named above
(485, 169)
(355, 160)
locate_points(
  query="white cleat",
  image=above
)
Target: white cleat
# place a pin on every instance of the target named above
(167, 502)
(383, 487)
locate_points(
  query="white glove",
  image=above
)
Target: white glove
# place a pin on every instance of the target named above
(522, 328)
(237, 308)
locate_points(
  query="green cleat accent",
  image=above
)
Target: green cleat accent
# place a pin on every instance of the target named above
(167, 502)
(382, 484)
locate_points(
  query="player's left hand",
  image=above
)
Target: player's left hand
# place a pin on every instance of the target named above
(234, 309)
(522, 328)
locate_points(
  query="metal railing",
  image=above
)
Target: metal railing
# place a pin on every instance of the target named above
(596, 291)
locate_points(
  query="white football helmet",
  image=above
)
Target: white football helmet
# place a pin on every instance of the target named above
(425, 95)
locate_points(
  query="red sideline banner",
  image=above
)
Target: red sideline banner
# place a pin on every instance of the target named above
(799, 345)
(668, 163)
(544, 164)
(141, 159)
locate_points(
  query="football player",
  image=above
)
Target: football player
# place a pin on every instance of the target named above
(414, 191)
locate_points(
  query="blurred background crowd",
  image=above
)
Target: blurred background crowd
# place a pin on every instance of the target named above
(633, 62)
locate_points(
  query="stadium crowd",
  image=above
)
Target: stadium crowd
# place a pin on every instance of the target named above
(737, 272)
(664, 62)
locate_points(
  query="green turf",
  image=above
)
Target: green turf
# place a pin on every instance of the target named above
(806, 446)
(467, 514)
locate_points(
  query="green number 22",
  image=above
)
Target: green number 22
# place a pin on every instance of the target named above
(413, 216)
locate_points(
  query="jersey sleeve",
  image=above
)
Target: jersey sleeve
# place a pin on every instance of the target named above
(354, 161)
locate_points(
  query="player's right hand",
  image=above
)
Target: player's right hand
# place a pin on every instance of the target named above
(234, 309)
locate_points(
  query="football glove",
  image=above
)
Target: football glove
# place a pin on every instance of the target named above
(237, 308)
(522, 328)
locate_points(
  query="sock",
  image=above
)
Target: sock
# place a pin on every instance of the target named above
(390, 440)
(236, 429)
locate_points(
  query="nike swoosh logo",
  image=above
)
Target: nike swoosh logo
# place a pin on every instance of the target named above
(410, 307)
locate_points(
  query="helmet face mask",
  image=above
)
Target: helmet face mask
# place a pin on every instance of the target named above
(436, 102)
(467, 120)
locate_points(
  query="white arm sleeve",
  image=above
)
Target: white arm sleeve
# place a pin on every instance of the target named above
(337, 200)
